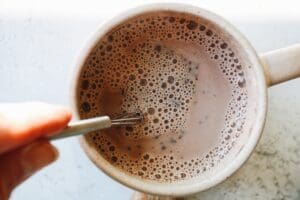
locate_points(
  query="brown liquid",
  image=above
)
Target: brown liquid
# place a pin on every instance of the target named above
(186, 80)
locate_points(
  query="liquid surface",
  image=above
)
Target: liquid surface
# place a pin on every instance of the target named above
(187, 81)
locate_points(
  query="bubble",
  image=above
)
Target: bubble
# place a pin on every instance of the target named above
(140, 173)
(112, 148)
(223, 45)
(146, 157)
(182, 20)
(131, 77)
(144, 168)
(151, 111)
(108, 48)
(209, 33)
(110, 38)
(85, 84)
(157, 48)
(158, 176)
(170, 79)
(86, 107)
(192, 25)
(140, 71)
(232, 124)
(242, 82)
(114, 159)
(202, 28)
(143, 82)
(183, 175)
(164, 85)
(239, 67)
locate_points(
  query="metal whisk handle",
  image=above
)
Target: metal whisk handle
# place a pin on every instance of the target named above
(84, 126)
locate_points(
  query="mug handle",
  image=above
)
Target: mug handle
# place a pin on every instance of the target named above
(281, 65)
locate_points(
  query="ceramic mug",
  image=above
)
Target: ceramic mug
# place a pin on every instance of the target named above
(266, 70)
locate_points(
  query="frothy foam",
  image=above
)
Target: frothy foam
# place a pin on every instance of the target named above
(185, 78)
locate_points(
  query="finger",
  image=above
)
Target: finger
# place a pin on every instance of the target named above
(18, 165)
(22, 123)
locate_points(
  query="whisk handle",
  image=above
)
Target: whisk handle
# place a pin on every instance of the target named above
(84, 126)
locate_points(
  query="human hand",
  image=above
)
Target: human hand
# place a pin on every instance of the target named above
(23, 151)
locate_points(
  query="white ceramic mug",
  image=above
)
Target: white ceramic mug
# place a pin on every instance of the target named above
(268, 69)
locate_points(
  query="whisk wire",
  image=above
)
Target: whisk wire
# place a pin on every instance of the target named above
(126, 121)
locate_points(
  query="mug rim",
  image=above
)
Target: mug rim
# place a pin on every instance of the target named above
(166, 189)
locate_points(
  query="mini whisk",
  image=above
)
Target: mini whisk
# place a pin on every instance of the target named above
(98, 123)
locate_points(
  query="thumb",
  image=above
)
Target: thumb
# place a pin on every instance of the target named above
(22, 123)
(18, 165)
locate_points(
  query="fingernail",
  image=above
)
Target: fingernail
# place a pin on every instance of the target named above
(37, 155)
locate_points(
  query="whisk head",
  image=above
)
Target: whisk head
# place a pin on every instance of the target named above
(128, 119)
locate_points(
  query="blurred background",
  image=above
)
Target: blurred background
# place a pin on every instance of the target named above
(40, 41)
